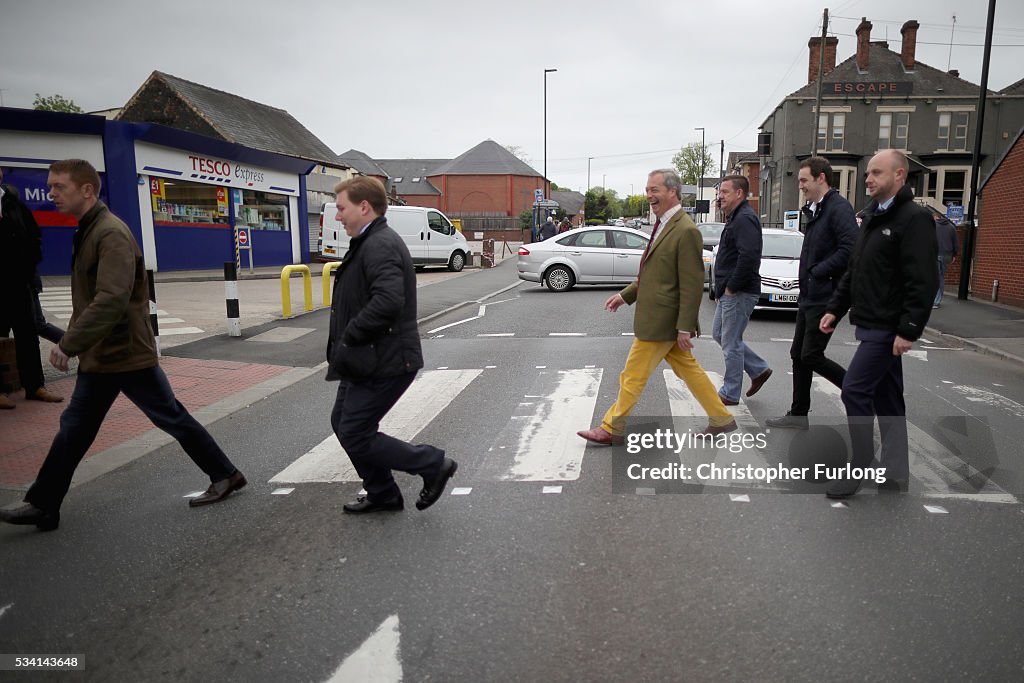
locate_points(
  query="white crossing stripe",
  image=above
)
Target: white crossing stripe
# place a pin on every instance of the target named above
(431, 393)
(280, 335)
(542, 434)
(171, 331)
(935, 467)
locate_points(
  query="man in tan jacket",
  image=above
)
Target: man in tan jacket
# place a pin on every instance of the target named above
(667, 293)
(110, 333)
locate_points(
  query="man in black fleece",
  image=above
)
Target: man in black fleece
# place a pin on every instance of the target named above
(888, 290)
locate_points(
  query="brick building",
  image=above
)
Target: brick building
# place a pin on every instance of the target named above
(999, 248)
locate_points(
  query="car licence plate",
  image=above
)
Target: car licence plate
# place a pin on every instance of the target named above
(783, 298)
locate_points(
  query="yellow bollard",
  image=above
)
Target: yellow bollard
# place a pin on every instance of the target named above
(286, 294)
(326, 280)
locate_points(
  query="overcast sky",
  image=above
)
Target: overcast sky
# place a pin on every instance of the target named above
(424, 79)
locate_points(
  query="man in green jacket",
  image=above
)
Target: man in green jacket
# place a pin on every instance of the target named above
(110, 333)
(667, 294)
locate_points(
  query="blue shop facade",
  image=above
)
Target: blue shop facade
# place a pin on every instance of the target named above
(184, 196)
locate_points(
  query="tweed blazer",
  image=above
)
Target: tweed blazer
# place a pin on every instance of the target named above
(668, 291)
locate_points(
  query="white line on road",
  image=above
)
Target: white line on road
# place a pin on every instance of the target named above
(551, 489)
(498, 334)
(445, 327)
(171, 331)
(462, 491)
(779, 339)
(281, 491)
(936, 509)
(567, 334)
(991, 398)
(5, 608)
(376, 660)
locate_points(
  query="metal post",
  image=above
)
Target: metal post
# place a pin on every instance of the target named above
(546, 72)
(700, 180)
(154, 323)
(231, 299)
(969, 228)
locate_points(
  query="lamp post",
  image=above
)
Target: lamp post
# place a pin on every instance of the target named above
(546, 72)
(700, 180)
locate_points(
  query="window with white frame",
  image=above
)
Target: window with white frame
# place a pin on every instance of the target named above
(893, 130)
(831, 131)
(953, 130)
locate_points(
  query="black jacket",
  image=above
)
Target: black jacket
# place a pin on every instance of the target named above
(20, 241)
(373, 329)
(738, 262)
(892, 278)
(829, 235)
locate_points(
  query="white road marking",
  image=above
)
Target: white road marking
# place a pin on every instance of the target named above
(920, 355)
(840, 504)
(946, 381)
(376, 660)
(280, 335)
(171, 331)
(194, 494)
(589, 366)
(540, 367)
(552, 489)
(422, 402)
(739, 498)
(927, 341)
(775, 339)
(567, 334)
(645, 492)
(443, 367)
(543, 433)
(462, 491)
(482, 311)
(5, 608)
(936, 509)
(459, 322)
(281, 491)
(498, 334)
(627, 334)
(168, 321)
(991, 398)
(490, 367)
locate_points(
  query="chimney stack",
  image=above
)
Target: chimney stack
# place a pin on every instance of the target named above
(863, 44)
(814, 56)
(909, 32)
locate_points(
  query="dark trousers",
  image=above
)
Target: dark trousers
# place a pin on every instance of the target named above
(874, 387)
(44, 329)
(17, 315)
(808, 354)
(79, 423)
(356, 417)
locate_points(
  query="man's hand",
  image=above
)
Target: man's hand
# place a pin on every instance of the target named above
(684, 341)
(728, 292)
(58, 359)
(827, 324)
(613, 303)
(901, 346)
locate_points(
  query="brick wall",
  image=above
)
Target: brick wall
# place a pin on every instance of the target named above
(999, 252)
(431, 201)
(486, 194)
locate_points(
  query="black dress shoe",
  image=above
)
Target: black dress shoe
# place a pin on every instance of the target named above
(434, 487)
(30, 514)
(788, 421)
(364, 505)
(219, 490)
(842, 488)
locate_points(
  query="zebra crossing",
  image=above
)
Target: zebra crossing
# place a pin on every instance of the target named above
(537, 441)
(56, 302)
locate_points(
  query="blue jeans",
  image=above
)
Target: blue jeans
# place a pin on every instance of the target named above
(94, 393)
(731, 317)
(943, 264)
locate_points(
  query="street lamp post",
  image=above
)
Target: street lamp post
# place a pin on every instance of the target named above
(700, 180)
(546, 72)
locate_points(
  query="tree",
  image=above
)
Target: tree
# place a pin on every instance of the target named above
(56, 103)
(635, 205)
(688, 163)
(602, 204)
(519, 153)
(526, 219)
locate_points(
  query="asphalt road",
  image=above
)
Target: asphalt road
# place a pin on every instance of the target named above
(507, 582)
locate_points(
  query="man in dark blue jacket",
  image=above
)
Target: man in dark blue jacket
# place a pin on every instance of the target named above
(829, 234)
(374, 349)
(888, 290)
(737, 288)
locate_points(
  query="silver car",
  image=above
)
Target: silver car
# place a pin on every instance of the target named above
(711, 233)
(597, 255)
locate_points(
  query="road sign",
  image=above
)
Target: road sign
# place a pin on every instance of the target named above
(538, 195)
(243, 238)
(792, 220)
(955, 213)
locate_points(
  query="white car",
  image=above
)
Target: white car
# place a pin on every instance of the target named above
(780, 269)
(597, 255)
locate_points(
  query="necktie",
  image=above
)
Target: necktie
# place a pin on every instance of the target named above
(654, 232)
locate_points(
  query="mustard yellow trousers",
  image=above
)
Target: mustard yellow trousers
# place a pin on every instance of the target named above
(643, 359)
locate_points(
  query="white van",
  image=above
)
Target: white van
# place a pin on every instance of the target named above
(431, 238)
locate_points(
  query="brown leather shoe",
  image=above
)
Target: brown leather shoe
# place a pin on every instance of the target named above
(43, 394)
(6, 403)
(730, 426)
(602, 437)
(758, 382)
(219, 490)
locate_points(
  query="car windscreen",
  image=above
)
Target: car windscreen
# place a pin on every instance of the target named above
(781, 246)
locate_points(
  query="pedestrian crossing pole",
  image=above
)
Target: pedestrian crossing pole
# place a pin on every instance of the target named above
(238, 253)
(152, 310)
(231, 298)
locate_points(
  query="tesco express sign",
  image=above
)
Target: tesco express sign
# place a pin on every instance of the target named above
(224, 170)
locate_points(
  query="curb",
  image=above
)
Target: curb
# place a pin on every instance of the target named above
(978, 347)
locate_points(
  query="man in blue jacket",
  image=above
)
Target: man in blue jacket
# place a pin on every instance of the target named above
(829, 233)
(737, 288)
(374, 349)
(888, 289)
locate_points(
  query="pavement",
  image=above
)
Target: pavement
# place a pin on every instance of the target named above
(216, 375)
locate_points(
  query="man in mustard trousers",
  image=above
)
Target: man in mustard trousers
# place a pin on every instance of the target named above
(667, 294)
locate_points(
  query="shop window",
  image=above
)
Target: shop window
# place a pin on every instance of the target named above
(184, 203)
(262, 211)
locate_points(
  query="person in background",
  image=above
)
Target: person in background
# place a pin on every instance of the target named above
(548, 230)
(949, 249)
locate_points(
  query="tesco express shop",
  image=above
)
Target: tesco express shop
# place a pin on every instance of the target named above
(183, 195)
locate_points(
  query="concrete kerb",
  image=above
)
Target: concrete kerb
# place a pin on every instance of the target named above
(975, 346)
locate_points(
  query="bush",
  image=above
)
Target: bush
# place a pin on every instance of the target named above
(595, 221)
